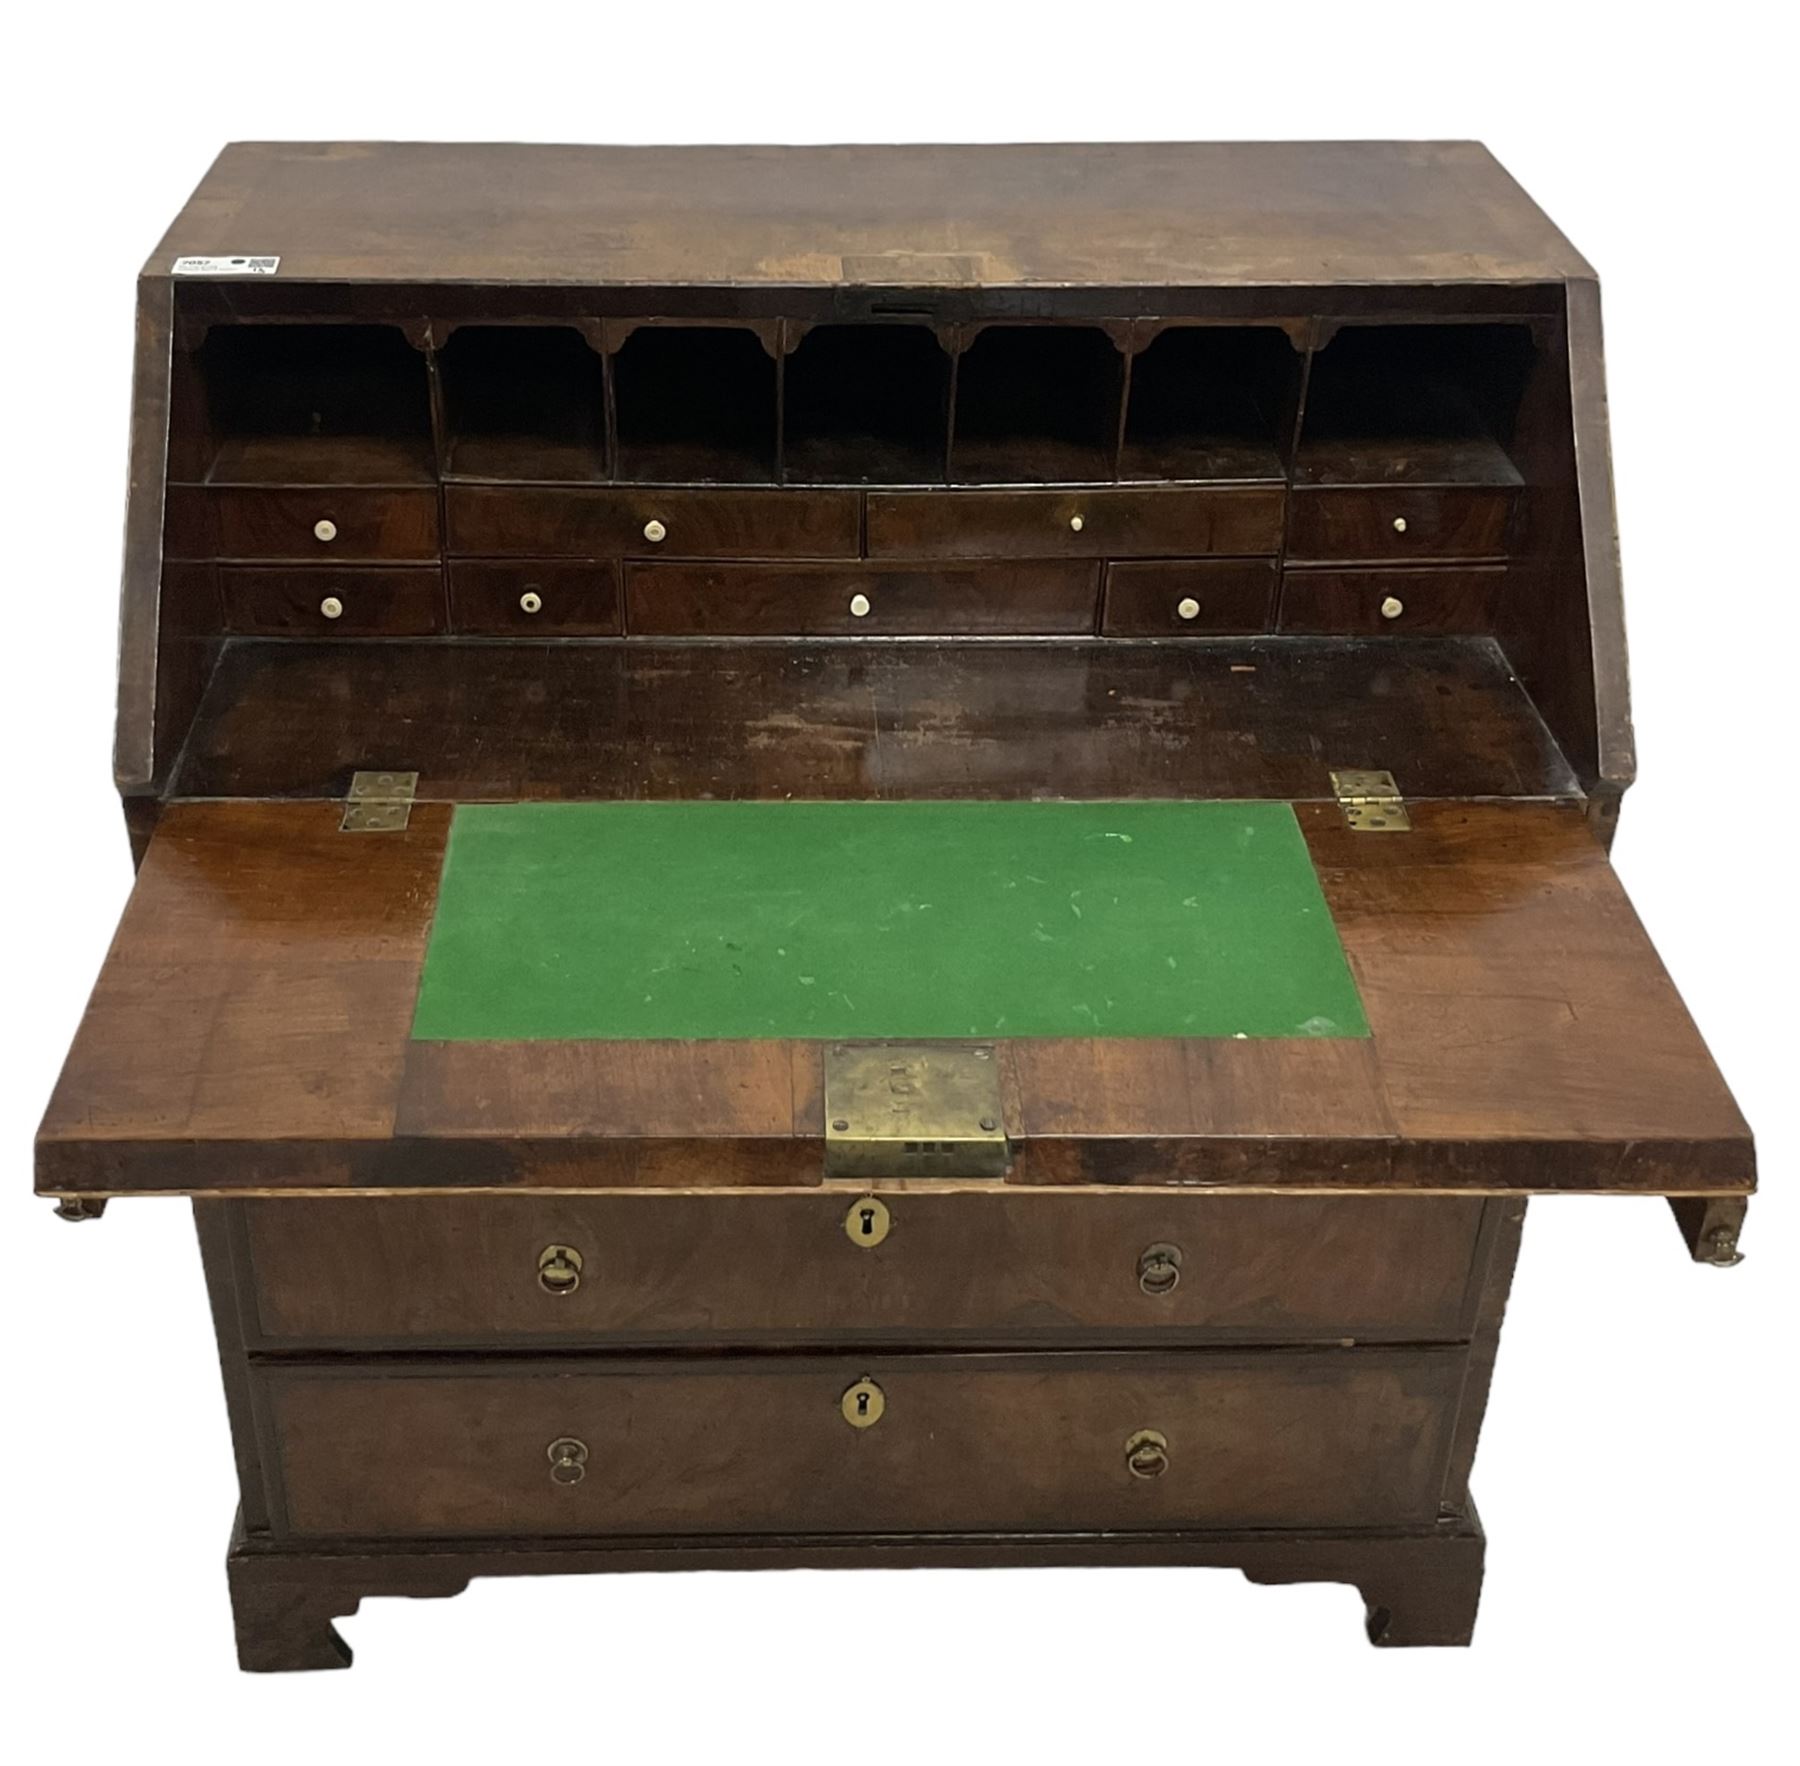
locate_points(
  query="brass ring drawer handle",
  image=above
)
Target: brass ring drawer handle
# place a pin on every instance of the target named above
(568, 1460)
(559, 1269)
(1159, 1269)
(1147, 1454)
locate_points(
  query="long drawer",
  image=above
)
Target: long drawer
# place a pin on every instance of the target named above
(480, 1270)
(648, 522)
(852, 600)
(1301, 1438)
(1102, 522)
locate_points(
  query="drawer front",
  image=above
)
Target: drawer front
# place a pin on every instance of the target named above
(855, 601)
(1103, 523)
(623, 523)
(1192, 599)
(1393, 526)
(302, 603)
(465, 1270)
(535, 598)
(326, 526)
(1309, 1438)
(1391, 603)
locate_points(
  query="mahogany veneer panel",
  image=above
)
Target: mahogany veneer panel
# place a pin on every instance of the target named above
(1512, 990)
(1244, 718)
(261, 981)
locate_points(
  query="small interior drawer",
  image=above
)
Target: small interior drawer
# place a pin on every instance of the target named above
(535, 597)
(1391, 603)
(648, 522)
(301, 603)
(327, 526)
(393, 1271)
(1102, 522)
(806, 600)
(1190, 598)
(839, 1444)
(1393, 525)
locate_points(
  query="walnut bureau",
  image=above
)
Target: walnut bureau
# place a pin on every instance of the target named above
(871, 856)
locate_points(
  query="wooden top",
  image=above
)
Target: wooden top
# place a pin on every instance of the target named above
(1149, 215)
(251, 1031)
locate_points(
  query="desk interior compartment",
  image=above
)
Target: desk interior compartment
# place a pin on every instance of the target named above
(1211, 402)
(1037, 404)
(866, 404)
(695, 404)
(316, 405)
(1415, 405)
(523, 402)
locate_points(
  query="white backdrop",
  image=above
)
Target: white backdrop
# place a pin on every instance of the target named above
(1637, 1473)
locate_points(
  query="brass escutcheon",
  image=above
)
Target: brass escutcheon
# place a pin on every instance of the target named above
(867, 1222)
(862, 1404)
(559, 1269)
(1147, 1454)
(1159, 1269)
(568, 1460)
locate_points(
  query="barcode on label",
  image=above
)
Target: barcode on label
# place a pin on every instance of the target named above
(225, 266)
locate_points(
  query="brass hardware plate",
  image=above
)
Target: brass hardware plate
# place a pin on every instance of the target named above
(568, 1459)
(914, 1110)
(862, 1404)
(868, 1222)
(1147, 1453)
(378, 803)
(1159, 1269)
(559, 1269)
(1371, 801)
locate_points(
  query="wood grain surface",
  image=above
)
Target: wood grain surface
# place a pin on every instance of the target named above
(251, 1031)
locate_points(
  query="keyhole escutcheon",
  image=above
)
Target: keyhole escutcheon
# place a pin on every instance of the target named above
(868, 1222)
(863, 1404)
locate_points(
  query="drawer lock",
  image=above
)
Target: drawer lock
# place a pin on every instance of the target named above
(914, 1110)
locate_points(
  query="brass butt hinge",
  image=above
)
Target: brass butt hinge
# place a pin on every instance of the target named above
(1371, 801)
(914, 1110)
(378, 803)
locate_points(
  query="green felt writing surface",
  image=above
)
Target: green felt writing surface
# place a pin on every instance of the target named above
(881, 920)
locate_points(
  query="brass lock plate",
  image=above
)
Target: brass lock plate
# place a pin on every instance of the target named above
(896, 1109)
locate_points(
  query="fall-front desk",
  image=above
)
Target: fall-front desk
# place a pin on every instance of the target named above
(871, 856)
